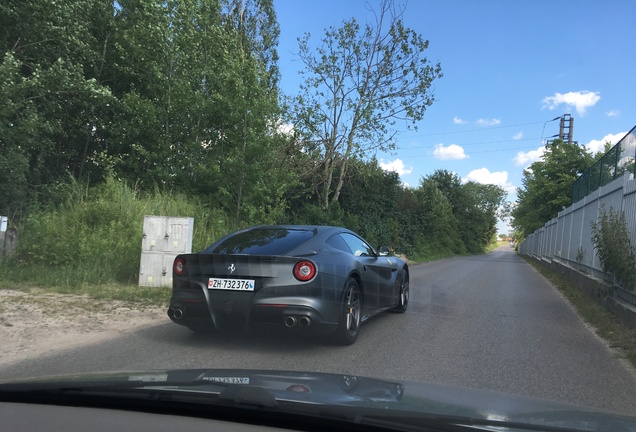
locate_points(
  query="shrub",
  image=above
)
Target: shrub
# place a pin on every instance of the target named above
(611, 241)
(94, 234)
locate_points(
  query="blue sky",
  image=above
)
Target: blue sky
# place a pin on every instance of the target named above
(509, 67)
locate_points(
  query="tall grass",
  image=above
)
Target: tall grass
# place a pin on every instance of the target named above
(91, 239)
(94, 235)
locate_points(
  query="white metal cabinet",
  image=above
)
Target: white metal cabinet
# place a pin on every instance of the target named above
(163, 239)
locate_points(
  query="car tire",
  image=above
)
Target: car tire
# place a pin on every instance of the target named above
(404, 293)
(350, 314)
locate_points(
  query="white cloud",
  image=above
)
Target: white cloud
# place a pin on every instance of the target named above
(517, 136)
(488, 122)
(596, 146)
(396, 166)
(484, 176)
(452, 151)
(285, 128)
(581, 101)
(526, 158)
(457, 120)
(613, 113)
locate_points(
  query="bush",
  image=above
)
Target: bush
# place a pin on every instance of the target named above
(94, 235)
(611, 241)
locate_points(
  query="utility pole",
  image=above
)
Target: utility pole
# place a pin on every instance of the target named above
(566, 128)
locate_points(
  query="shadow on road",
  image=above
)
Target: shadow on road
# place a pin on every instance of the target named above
(178, 337)
(181, 338)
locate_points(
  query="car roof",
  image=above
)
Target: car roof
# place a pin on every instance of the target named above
(321, 230)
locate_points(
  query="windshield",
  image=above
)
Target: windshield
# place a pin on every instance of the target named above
(437, 192)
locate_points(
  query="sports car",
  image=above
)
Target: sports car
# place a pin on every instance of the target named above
(303, 280)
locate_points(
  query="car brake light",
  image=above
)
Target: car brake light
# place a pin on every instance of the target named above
(304, 270)
(179, 266)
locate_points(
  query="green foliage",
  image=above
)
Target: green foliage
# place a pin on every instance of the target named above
(182, 95)
(94, 235)
(580, 254)
(611, 241)
(547, 185)
(438, 226)
(369, 198)
(51, 91)
(178, 93)
(197, 86)
(358, 82)
(474, 208)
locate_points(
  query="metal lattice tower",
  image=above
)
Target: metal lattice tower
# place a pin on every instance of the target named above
(566, 128)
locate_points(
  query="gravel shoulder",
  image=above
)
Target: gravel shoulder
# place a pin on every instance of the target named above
(37, 323)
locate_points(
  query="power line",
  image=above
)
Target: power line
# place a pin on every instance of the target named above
(478, 152)
(478, 130)
(497, 151)
(470, 144)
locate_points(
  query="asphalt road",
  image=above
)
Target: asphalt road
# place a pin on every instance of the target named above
(489, 322)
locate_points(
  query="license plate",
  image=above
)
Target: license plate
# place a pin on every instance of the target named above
(231, 284)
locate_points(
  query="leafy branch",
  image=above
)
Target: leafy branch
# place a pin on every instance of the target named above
(613, 247)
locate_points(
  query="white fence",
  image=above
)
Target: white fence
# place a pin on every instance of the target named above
(568, 237)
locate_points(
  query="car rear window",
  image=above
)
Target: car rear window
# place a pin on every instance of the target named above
(263, 241)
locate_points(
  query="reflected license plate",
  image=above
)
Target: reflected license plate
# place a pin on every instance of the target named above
(231, 284)
(228, 380)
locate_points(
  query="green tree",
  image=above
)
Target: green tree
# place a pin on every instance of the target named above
(254, 166)
(475, 207)
(437, 226)
(357, 84)
(166, 60)
(14, 158)
(547, 185)
(256, 22)
(369, 197)
(488, 202)
(197, 84)
(52, 92)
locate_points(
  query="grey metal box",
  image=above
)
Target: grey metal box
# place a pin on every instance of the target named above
(163, 239)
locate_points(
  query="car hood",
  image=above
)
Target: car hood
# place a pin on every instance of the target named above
(355, 394)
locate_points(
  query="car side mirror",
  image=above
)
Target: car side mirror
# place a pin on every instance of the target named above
(383, 251)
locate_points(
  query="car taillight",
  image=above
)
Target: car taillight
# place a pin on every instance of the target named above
(179, 266)
(304, 270)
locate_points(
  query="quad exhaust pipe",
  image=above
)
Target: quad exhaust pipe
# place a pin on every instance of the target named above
(292, 321)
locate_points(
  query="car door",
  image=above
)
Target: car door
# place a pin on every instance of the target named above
(378, 273)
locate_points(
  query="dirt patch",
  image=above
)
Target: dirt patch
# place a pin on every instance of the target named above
(36, 323)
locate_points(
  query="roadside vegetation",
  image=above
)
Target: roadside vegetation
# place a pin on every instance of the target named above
(92, 237)
(610, 236)
(547, 185)
(113, 111)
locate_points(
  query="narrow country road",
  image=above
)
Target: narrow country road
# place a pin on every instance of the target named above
(489, 322)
